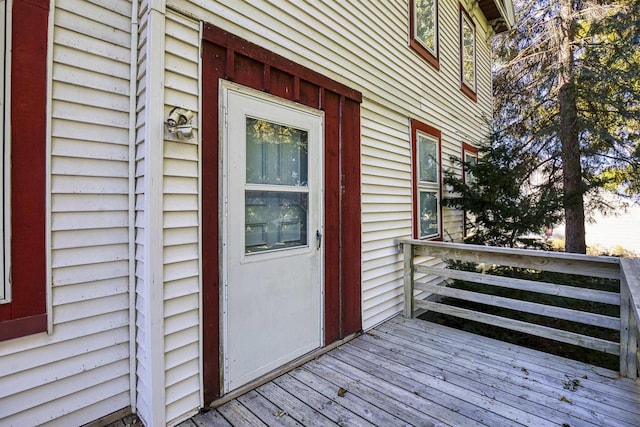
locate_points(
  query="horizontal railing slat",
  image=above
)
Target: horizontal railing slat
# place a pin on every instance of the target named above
(524, 306)
(592, 295)
(625, 271)
(529, 328)
(585, 265)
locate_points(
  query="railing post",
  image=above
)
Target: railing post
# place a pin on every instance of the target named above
(407, 249)
(629, 278)
(632, 358)
(625, 331)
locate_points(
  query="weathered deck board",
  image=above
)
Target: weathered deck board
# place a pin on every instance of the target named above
(547, 365)
(412, 372)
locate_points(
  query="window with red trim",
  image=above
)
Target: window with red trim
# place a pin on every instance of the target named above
(468, 72)
(427, 178)
(469, 156)
(23, 308)
(423, 22)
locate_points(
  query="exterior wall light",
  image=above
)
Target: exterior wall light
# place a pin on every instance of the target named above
(179, 123)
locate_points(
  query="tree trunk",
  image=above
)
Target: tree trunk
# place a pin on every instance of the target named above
(570, 146)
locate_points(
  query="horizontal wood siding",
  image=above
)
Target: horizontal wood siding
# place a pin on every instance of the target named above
(181, 225)
(81, 371)
(364, 45)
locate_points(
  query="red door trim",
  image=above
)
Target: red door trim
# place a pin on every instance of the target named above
(226, 56)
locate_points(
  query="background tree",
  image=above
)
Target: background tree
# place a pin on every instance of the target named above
(566, 89)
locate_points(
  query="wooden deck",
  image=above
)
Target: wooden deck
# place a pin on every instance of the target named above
(412, 372)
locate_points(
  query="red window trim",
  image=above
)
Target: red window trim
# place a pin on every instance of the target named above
(416, 45)
(416, 126)
(468, 91)
(27, 312)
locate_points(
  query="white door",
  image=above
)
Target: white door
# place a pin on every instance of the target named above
(272, 226)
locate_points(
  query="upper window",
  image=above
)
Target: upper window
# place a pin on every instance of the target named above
(468, 74)
(23, 309)
(427, 178)
(424, 29)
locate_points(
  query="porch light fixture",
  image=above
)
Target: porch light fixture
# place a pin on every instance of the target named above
(179, 123)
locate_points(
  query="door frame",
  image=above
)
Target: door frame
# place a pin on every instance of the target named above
(317, 205)
(231, 58)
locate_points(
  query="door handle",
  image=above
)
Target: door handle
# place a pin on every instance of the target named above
(319, 238)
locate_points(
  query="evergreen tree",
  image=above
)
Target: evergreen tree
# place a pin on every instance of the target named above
(504, 203)
(566, 88)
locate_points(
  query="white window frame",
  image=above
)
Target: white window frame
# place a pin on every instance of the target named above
(431, 187)
(467, 177)
(467, 155)
(5, 96)
(433, 51)
(465, 20)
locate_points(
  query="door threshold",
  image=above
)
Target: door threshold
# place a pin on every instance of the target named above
(278, 372)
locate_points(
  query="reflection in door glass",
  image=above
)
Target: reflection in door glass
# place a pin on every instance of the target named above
(275, 220)
(276, 154)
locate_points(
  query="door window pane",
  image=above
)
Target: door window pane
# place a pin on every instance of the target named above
(276, 154)
(275, 220)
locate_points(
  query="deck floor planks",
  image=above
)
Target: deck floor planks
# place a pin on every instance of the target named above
(320, 403)
(592, 396)
(412, 372)
(238, 415)
(295, 407)
(545, 372)
(509, 388)
(375, 378)
(514, 380)
(267, 411)
(598, 379)
(489, 384)
(349, 400)
(548, 361)
(210, 418)
(476, 406)
(372, 394)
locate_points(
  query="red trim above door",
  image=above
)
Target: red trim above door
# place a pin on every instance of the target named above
(226, 56)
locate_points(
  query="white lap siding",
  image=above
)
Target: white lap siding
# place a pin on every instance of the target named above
(80, 372)
(167, 221)
(181, 224)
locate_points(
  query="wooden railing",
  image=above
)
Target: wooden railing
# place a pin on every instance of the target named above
(433, 281)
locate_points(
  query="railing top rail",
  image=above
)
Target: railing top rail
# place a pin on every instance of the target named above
(562, 262)
(513, 251)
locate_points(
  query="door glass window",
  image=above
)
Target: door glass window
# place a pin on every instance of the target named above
(276, 156)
